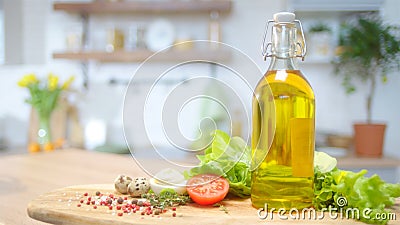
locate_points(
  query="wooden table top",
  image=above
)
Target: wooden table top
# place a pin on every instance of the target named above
(26, 176)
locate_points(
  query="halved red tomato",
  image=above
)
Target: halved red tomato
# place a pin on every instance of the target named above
(207, 189)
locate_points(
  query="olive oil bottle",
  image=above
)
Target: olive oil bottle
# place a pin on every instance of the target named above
(283, 129)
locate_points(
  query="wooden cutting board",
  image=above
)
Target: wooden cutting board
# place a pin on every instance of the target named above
(60, 207)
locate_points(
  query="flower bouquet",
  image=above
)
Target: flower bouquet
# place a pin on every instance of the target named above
(44, 96)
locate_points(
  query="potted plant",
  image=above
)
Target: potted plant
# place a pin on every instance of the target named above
(369, 49)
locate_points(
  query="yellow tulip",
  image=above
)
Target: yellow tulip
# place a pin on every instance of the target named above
(68, 83)
(28, 80)
(52, 82)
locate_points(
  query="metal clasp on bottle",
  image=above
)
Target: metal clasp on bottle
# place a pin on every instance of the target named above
(266, 45)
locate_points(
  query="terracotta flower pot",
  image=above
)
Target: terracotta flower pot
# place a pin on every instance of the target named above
(368, 139)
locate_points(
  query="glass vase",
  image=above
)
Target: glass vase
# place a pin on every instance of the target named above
(44, 133)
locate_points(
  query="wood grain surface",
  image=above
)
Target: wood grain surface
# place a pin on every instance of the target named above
(24, 177)
(60, 207)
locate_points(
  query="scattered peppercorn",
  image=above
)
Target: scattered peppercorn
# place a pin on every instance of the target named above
(154, 205)
(157, 212)
(120, 200)
(109, 201)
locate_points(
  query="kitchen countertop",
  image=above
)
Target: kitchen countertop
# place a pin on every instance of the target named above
(24, 177)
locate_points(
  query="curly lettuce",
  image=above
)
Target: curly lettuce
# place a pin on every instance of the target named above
(361, 192)
(227, 157)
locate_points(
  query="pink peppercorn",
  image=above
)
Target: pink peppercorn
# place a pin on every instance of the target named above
(174, 214)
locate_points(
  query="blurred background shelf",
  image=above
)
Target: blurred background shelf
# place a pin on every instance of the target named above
(141, 55)
(145, 6)
(363, 162)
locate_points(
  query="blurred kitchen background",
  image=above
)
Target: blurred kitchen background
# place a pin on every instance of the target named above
(42, 36)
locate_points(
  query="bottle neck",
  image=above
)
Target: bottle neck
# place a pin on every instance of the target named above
(283, 49)
(283, 64)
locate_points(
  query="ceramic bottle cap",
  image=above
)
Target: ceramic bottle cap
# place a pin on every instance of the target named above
(284, 17)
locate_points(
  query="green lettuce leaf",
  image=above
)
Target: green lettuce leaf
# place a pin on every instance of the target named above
(360, 192)
(227, 157)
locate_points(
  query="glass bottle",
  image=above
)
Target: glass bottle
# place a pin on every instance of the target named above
(283, 132)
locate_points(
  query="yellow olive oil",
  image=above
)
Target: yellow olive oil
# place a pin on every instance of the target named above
(284, 179)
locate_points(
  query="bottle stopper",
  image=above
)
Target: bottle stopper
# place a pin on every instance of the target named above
(284, 17)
